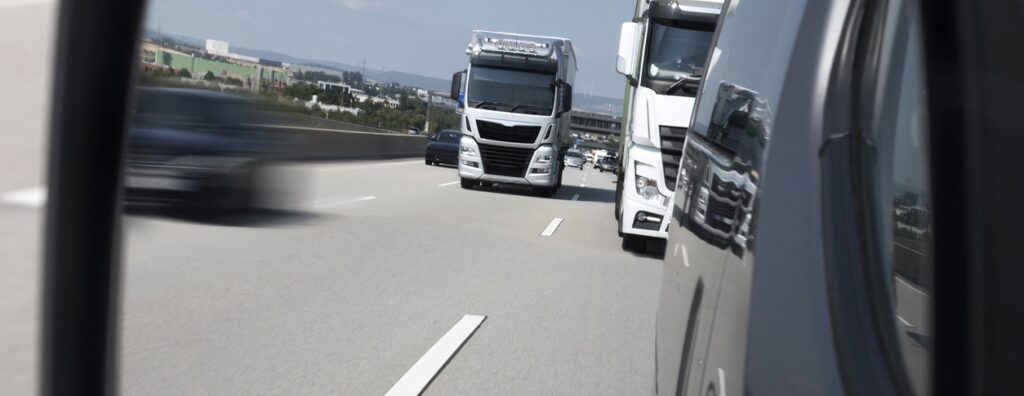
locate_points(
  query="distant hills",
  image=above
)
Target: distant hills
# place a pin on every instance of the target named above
(597, 104)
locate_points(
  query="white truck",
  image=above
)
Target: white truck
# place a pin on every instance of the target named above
(515, 96)
(662, 54)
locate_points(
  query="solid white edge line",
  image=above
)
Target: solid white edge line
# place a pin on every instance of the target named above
(910, 286)
(447, 184)
(575, 197)
(333, 203)
(552, 227)
(419, 161)
(430, 364)
(32, 197)
(905, 322)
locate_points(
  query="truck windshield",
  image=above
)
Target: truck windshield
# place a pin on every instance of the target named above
(516, 91)
(675, 52)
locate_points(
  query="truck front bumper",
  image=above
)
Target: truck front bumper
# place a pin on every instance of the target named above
(473, 166)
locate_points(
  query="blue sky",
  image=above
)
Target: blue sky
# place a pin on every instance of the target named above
(422, 37)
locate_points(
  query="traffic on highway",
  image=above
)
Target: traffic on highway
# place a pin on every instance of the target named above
(665, 197)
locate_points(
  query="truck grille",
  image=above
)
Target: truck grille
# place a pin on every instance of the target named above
(505, 161)
(721, 215)
(672, 140)
(516, 134)
(721, 207)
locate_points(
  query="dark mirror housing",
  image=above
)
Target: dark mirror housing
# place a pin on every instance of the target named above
(457, 79)
(566, 98)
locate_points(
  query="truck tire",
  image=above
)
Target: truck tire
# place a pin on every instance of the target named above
(466, 183)
(427, 161)
(618, 198)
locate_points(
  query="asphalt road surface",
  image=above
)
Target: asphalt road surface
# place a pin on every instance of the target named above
(346, 291)
(27, 31)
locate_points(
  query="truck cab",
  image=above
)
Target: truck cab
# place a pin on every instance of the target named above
(662, 54)
(513, 96)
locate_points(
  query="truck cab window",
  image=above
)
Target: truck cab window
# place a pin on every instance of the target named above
(515, 91)
(677, 50)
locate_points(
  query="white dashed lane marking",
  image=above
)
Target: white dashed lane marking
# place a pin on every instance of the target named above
(447, 184)
(552, 227)
(420, 374)
(32, 197)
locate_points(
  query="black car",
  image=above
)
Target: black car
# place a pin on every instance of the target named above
(443, 148)
(194, 148)
(608, 164)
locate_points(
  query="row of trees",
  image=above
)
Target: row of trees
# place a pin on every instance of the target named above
(350, 78)
(305, 91)
(379, 116)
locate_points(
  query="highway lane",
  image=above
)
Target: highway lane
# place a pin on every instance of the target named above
(343, 294)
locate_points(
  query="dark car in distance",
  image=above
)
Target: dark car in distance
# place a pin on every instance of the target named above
(608, 164)
(443, 148)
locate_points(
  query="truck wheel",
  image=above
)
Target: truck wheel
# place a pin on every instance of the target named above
(618, 199)
(546, 192)
(466, 183)
(427, 161)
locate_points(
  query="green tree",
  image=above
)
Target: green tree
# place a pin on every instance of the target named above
(209, 76)
(185, 73)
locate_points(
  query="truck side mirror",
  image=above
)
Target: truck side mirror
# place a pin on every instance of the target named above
(457, 85)
(566, 98)
(628, 35)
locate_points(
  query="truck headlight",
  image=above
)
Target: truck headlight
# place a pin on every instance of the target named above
(702, 199)
(647, 188)
(544, 159)
(468, 151)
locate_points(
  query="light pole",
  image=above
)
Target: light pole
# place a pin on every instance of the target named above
(426, 124)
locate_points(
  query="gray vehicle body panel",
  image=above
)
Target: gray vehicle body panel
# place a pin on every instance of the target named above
(749, 314)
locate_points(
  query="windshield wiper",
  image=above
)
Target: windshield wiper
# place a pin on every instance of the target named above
(542, 108)
(681, 83)
(485, 103)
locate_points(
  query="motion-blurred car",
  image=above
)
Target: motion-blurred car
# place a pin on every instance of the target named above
(607, 164)
(443, 148)
(574, 160)
(414, 131)
(193, 148)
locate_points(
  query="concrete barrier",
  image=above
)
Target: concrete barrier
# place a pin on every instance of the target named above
(313, 144)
